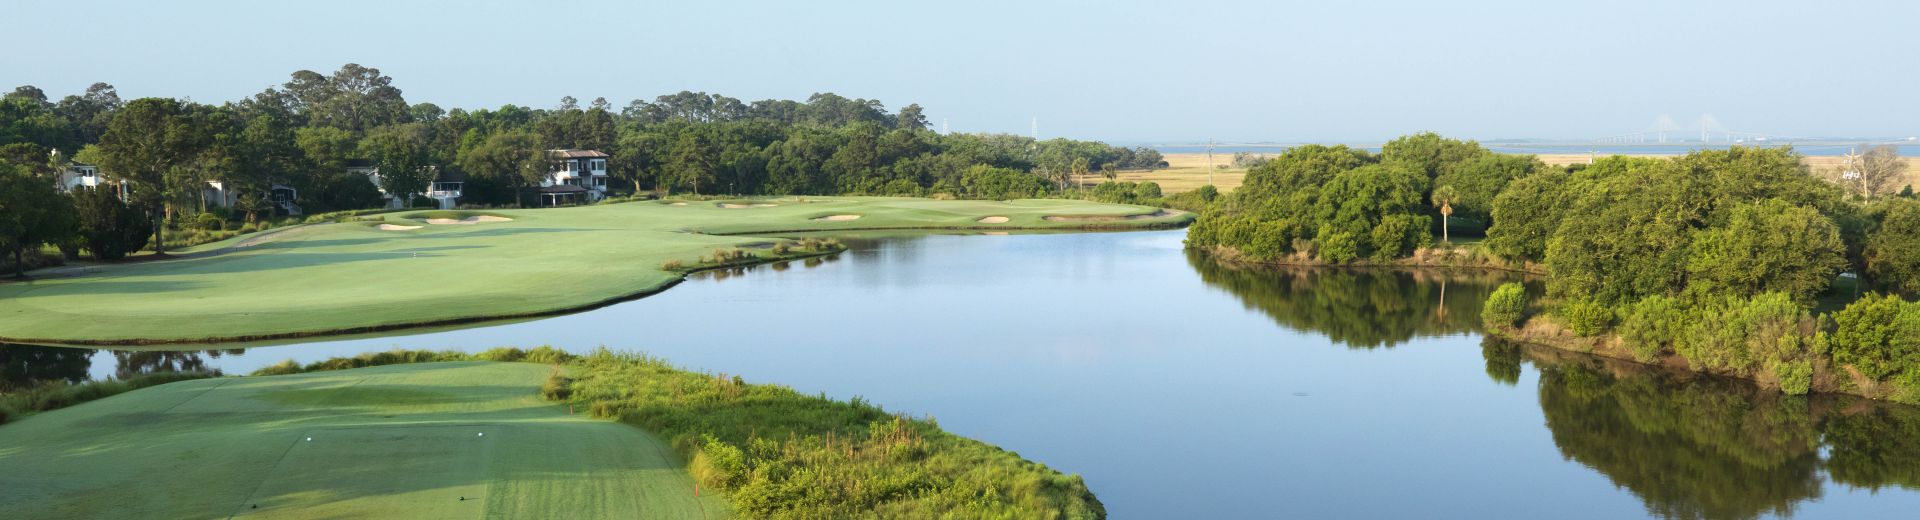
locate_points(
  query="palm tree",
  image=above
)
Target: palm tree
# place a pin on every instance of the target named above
(1444, 197)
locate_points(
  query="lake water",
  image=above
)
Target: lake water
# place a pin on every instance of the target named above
(1185, 389)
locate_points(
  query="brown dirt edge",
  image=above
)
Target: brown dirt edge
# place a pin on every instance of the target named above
(1427, 258)
(464, 320)
(1542, 331)
(1117, 225)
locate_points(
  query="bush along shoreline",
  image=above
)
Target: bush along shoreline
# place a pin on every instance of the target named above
(1739, 262)
(1870, 348)
(777, 453)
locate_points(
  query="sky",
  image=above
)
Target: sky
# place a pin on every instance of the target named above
(1118, 70)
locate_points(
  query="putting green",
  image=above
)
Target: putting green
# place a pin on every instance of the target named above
(350, 277)
(400, 441)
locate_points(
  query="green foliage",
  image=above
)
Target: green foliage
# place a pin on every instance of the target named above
(1586, 317)
(1769, 246)
(781, 454)
(1506, 306)
(1477, 181)
(1892, 251)
(1879, 336)
(1651, 326)
(32, 213)
(110, 228)
(1740, 335)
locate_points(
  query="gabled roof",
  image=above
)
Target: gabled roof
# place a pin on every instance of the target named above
(450, 175)
(576, 154)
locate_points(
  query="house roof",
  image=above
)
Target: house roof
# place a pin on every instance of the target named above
(577, 154)
(450, 175)
(562, 189)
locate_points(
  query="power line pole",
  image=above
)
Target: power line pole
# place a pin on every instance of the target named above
(1210, 167)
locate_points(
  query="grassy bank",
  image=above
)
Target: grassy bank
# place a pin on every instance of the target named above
(403, 270)
(19, 404)
(412, 433)
(433, 440)
(781, 454)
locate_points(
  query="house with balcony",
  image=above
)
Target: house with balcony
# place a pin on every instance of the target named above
(80, 176)
(280, 197)
(445, 190)
(576, 177)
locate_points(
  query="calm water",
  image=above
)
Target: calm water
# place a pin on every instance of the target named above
(1184, 389)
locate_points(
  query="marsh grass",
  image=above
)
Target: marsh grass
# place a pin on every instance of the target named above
(782, 454)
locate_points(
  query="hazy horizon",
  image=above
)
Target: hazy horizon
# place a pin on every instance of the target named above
(1116, 71)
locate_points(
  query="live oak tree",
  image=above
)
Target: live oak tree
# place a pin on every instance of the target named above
(397, 152)
(150, 142)
(32, 213)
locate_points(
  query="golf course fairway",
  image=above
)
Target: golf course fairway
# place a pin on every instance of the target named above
(419, 268)
(397, 441)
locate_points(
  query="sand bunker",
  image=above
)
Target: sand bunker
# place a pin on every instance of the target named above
(396, 227)
(467, 221)
(1108, 218)
(678, 204)
(742, 206)
(839, 217)
(993, 220)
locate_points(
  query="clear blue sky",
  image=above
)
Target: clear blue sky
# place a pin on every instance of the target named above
(1114, 70)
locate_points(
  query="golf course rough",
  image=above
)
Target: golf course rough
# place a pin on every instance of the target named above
(356, 277)
(432, 440)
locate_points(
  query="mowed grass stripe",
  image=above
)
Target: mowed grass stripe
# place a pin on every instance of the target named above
(335, 278)
(399, 441)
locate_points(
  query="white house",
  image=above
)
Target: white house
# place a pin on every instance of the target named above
(80, 176)
(445, 189)
(283, 197)
(576, 176)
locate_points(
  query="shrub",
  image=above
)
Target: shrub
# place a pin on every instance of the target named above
(1796, 377)
(558, 386)
(718, 464)
(1651, 325)
(1505, 306)
(672, 264)
(1586, 317)
(209, 221)
(1879, 336)
(1736, 335)
(109, 227)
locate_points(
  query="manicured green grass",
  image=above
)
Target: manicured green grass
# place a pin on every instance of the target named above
(400, 441)
(354, 276)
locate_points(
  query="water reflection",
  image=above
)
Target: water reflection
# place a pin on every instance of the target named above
(1364, 308)
(27, 366)
(1692, 446)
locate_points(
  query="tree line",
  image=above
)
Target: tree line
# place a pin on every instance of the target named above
(1720, 257)
(303, 133)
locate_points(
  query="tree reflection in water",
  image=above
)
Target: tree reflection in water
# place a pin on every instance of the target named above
(25, 366)
(1688, 445)
(1695, 446)
(1365, 308)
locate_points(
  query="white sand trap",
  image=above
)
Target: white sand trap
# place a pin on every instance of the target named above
(397, 227)
(678, 204)
(993, 220)
(839, 217)
(1110, 218)
(467, 221)
(744, 206)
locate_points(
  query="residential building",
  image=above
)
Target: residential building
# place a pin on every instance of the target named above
(577, 176)
(445, 190)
